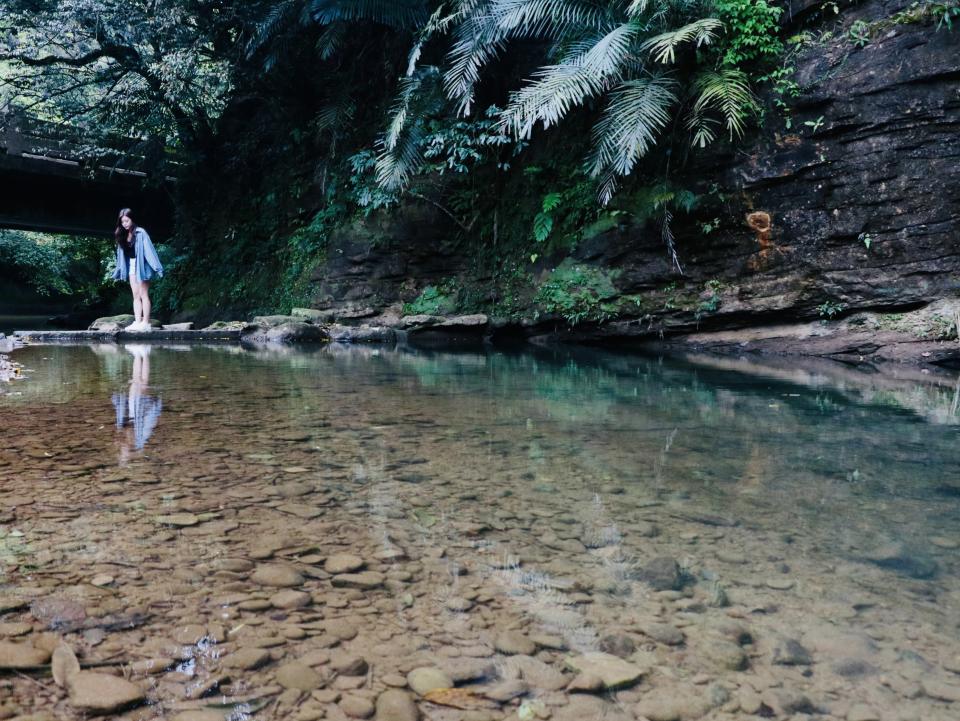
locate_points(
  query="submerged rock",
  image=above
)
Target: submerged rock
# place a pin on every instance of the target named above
(21, 655)
(424, 680)
(396, 705)
(298, 676)
(277, 576)
(899, 558)
(613, 671)
(673, 703)
(514, 642)
(661, 574)
(100, 693)
(343, 563)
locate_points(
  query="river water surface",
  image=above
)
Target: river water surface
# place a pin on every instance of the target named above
(283, 534)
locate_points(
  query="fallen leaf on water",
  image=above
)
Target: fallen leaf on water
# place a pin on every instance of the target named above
(459, 698)
(64, 664)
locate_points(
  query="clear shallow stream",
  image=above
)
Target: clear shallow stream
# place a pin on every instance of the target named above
(286, 534)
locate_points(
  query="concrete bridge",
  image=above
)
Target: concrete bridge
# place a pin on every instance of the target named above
(48, 183)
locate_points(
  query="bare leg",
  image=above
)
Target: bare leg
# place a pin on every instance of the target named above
(137, 303)
(145, 300)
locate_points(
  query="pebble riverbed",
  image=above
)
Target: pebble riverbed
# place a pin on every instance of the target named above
(220, 534)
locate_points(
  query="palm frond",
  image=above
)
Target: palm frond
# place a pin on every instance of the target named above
(558, 88)
(537, 18)
(477, 41)
(663, 47)
(438, 24)
(401, 151)
(331, 39)
(336, 114)
(279, 17)
(396, 167)
(637, 7)
(393, 13)
(726, 92)
(638, 112)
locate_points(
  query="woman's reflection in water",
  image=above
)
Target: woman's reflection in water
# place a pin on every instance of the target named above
(137, 412)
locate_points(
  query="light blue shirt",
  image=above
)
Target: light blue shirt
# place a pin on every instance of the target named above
(148, 264)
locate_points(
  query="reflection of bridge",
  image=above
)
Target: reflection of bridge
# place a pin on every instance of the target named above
(47, 183)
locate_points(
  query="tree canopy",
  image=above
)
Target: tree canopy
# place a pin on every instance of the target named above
(163, 71)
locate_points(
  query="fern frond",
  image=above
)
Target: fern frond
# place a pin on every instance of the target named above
(638, 112)
(728, 93)
(558, 88)
(663, 46)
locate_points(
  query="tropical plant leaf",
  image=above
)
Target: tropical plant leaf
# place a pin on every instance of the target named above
(558, 88)
(663, 47)
(727, 92)
(538, 18)
(394, 13)
(637, 112)
(401, 153)
(551, 201)
(542, 226)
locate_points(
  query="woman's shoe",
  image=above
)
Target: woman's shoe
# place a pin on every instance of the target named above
(135, 327)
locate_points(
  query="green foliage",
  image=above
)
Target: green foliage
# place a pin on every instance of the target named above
(150, 73)
(433, 300)
(58, 264)
(829, 309)
(711, 303)
(644, 62)
(785, 90)
(461, 145)
(814, 125)
(942, 14)
(365, 191)
(543, 222)
(578, 293)
(752, 32)
(36, 259)
(859, 33)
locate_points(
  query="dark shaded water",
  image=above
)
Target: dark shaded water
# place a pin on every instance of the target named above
(767, 539)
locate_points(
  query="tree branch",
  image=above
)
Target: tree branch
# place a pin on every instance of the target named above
(47, 60)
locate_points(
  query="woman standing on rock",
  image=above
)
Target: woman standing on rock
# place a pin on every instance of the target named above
(137, 261)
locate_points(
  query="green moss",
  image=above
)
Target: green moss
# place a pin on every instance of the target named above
(578, 292)
(934, 326)
(432, 301)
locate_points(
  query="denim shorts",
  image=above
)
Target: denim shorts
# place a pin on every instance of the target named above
(133, 270)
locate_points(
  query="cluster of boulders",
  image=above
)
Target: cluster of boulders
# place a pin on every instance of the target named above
(345, 325)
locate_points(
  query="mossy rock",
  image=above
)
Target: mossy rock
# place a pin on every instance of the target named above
(112, 322)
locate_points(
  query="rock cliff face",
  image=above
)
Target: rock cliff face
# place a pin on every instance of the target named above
(855, 207)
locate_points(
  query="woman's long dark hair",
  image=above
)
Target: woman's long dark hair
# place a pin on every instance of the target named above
(120, 234)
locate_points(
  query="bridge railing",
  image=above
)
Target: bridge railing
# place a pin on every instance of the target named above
(23, 135)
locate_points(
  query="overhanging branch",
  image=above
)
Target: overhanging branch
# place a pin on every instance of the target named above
(47, 60)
